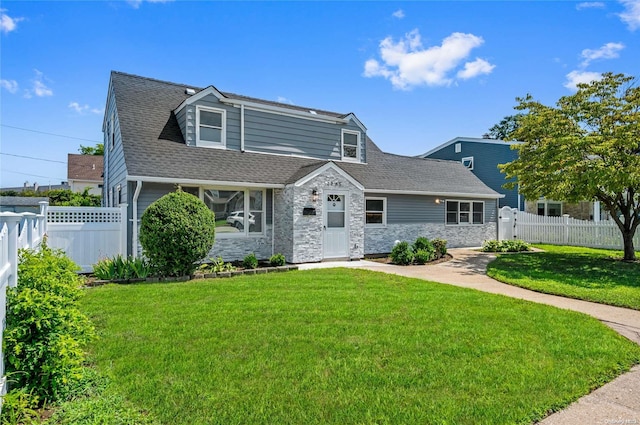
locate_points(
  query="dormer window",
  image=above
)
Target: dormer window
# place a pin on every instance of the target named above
(211, 127)
(350, 145)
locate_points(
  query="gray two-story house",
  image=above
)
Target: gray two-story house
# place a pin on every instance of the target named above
(304, 182)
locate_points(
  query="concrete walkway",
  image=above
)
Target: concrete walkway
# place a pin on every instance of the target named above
(617, 402)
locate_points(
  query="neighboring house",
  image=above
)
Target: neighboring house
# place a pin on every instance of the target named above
(21, 204)
(482, 156)
(85, 171)
(303, 182)
(36, 187)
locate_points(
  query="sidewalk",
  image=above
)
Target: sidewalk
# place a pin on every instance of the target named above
(617, 402)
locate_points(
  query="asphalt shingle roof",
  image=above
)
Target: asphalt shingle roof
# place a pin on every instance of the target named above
(154, 147)
(85, 167)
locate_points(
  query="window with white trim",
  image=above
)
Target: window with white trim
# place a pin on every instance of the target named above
(350, 145)
(464, 212)
(458, 147)
(375, 212)
(468, 162)
(239, 212)
(549, 208)
(210, 127)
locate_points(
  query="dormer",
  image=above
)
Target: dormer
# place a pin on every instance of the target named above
(209, 118)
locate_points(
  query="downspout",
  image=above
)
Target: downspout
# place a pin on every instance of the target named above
(273, 222)
(242, 128)
(134, 227)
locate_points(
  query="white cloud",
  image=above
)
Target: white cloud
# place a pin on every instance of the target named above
(9, 85)
(282, 99)
(590, 5)
(7, 23)
(631, 14)
(607, 51)
(38, 88)
(407, 63)
(576, 77)
(81, 109)
(399, 14)
(136, 3)
(475, 68)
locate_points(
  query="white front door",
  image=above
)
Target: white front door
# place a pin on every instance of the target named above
(336, 231)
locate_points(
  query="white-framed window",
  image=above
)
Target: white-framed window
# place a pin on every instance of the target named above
(375, 212)
(211, 127)
(239, 212)
(549, 208)
(350, 145)
(468, 162)
(458, 147)
(464, 212)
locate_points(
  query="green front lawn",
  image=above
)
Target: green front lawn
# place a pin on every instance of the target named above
(343, 346)
(583, 273)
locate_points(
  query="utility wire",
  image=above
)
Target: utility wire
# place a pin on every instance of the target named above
(33, 157)
(34, 175)
(50, 134)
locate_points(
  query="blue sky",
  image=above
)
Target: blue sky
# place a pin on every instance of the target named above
(415, 73)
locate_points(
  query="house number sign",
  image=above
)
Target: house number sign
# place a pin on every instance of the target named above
(334, 184)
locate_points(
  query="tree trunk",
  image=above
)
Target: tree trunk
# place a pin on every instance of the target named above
(629, 251)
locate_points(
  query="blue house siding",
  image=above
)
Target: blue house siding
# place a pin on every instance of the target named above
(115, 170)
(486, 157)
(274, 133)
(410, 209)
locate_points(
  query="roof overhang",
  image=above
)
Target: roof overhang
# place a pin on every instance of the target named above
(472, 140)
(442, 194)
(199, 182)
(326, 167)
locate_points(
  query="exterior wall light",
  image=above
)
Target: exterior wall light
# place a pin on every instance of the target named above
(314, 195)
(438, 201)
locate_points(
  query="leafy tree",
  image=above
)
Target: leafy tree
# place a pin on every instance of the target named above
(92, 150)
(587, 147)
(61, 197)
(505, 128)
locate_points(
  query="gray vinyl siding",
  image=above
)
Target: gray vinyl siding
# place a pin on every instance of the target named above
(273, 133)
(413, 209)
(115, 171)
(486, 157)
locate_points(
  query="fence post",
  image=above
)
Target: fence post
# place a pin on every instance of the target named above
(123, 229)
(13, 224)
(29, 223)
(566, 228)
(44, 207)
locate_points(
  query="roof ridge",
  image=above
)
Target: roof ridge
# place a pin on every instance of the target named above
(126, 74)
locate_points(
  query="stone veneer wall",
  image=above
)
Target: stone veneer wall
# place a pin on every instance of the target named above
(233, 249)
(381, 240)
(300, 237)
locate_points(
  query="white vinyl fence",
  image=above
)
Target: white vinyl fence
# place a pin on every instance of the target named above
(16, 231)
(85, 234)
(88, 234)
(532, 228)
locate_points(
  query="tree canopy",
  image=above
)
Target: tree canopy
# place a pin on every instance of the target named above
(92, 150)
(587, 147)
(506, 127)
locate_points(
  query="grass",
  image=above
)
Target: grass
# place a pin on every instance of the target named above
(584, 273)
(342, 346)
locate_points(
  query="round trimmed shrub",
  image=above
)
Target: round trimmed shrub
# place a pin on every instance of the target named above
(402, 254)
(250, 261)
(277, 260)
(176, 231)
(440, 246)
(423, 256)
